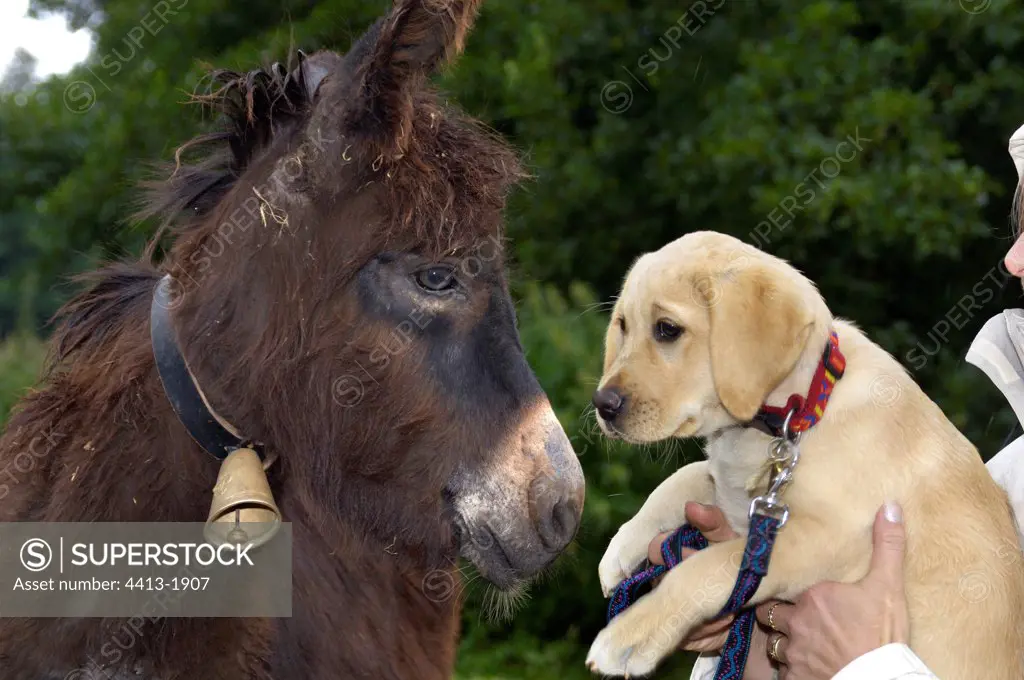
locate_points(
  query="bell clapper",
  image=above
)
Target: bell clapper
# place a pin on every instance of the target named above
(237, 534)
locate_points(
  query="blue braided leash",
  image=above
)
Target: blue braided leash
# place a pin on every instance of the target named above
(756, 555)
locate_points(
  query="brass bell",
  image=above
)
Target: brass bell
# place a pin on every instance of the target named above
(243, 509)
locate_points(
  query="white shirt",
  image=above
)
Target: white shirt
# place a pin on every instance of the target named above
(1017, 150)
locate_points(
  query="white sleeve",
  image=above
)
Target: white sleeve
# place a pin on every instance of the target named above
(704, 668)
(1017, 150)
(1007, 468)
(891, 662)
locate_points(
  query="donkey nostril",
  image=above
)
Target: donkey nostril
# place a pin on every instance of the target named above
(563, 519)
(608, 403)
(558, 528)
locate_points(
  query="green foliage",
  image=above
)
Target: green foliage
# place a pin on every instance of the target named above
(520, 656)
(863, 140)
(21, 359)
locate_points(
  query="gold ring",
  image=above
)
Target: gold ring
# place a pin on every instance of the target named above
(771, 616)
(773, 648)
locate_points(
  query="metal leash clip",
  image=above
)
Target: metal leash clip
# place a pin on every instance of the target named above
(784, 454)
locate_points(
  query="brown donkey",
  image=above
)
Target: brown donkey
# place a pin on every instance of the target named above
(341, 298)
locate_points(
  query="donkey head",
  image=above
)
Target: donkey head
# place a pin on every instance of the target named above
(343, 299)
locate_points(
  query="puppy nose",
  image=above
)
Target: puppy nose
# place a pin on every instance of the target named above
(608, 403)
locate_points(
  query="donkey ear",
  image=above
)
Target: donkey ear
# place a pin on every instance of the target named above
(760, 325)
(410, 44)
(418, 35)
(312, 70)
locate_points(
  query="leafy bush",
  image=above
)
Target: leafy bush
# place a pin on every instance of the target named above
(21, 358)
(641, 121)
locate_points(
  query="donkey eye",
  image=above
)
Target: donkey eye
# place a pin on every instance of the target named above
(666, 331)
(436, 279)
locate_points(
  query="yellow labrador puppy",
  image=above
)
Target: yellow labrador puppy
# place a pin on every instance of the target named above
(706, 331)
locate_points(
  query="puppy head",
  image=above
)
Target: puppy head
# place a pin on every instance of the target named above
(703, 331)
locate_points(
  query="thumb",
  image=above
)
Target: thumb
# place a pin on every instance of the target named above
(889, 543)
(710, 521)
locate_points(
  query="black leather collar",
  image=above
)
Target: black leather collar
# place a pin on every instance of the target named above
(180, 388)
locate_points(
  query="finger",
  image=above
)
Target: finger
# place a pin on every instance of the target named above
(687, 552)
(654, 548)
(710, 521)
(710, 637)
(714, 627)
(777, 643)
(889, 545)
(780, 613)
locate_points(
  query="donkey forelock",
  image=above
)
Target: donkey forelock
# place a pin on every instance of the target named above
(333, 126)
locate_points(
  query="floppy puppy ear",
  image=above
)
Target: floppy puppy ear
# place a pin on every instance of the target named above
(760, 325)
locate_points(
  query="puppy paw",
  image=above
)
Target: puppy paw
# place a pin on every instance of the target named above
(625, 553)
(636, 641)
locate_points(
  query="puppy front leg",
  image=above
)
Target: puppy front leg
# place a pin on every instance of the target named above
(662, 511)
(696, 590)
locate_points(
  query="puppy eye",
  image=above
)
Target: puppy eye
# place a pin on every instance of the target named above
(666, 331)
(622, 324)
(436, 278)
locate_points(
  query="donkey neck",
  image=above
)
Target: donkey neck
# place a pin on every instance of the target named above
(394, 616)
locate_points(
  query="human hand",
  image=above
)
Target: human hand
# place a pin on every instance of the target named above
(711, 637)
(832, 624)
(711, 522)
